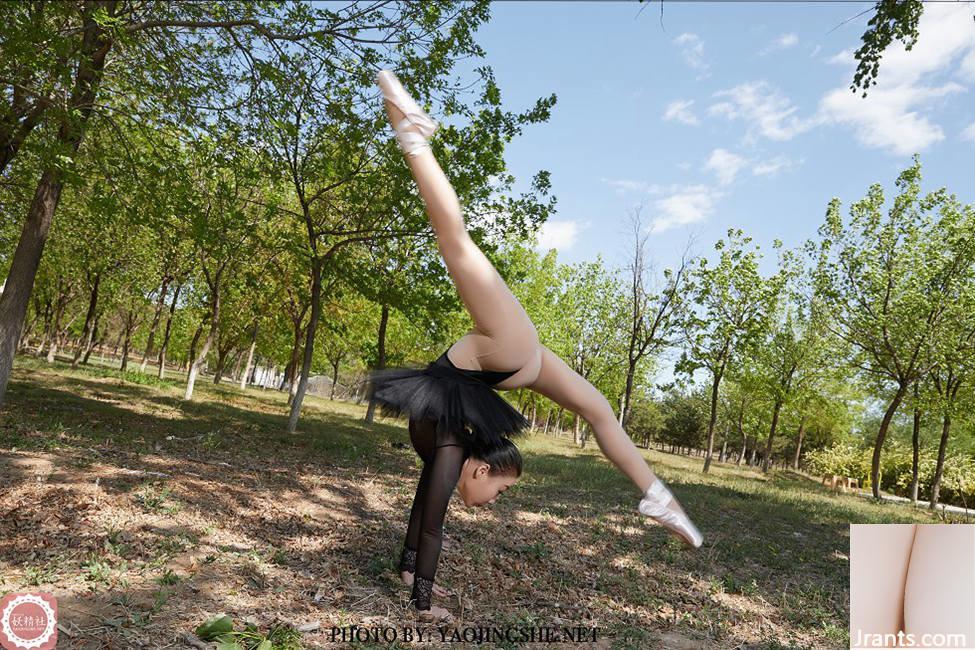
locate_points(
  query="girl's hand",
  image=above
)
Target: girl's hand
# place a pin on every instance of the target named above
(443, 592)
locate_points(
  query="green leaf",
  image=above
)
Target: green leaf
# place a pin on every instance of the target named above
(214, 627)
(229, 645)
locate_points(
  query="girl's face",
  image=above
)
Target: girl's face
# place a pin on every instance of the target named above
(478, 487)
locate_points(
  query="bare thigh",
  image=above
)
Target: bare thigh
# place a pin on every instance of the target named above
(567, 388)
(879, 557)
(468, 353)
(504, 337)
(939, 597)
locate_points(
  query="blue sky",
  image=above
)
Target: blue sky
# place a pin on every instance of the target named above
(730, 115)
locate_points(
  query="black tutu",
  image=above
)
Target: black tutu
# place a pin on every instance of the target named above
(460, 401)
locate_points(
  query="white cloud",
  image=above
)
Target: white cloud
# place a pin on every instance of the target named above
(623, 185)
(968, 66)
(558, 234)
(816, 50)
(679, 110)
(843, 57)
(969, 132)
(725, 165)
(886, 118)
(774, 165)
(891, 115)
(787, 40)
(689, 204)
(767, 112)
(692, 49)
(783, 42)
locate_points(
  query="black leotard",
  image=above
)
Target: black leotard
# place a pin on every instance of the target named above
(490, 377)
(443, 455)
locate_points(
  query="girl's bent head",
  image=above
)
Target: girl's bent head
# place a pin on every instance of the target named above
(489, 471)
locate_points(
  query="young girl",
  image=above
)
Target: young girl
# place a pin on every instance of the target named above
(459, 425)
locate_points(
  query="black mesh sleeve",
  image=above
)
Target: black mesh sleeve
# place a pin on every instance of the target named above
(407, 559)
(443, 474)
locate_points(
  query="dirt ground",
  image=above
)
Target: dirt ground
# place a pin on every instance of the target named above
(145, 517)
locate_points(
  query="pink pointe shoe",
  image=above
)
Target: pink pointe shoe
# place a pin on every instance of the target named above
(654, 504)
(414, 129)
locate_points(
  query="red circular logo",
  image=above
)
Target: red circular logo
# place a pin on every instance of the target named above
(28, 622)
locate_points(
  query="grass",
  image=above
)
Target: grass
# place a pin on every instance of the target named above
(146, 515)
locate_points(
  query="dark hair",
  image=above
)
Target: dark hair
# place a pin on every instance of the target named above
(503, 457)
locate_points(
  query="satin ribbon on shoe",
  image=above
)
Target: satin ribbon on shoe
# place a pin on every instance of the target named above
(654, 504)
(412, 141)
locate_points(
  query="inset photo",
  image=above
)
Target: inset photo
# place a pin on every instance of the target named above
(912, 586)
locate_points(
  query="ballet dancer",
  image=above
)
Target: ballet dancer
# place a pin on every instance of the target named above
(459, 425)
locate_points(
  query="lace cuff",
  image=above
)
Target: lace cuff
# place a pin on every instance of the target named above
(422, 592)
(407, 559)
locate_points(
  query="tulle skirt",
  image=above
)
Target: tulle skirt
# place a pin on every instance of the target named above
(458, 402)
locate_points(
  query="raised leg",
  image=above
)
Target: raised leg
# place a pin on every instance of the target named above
(568, 389)
(504, 337)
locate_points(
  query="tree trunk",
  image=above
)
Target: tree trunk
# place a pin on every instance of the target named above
(381, 356)
(940, 467)
(291, 371)
(28, 330)
(714, 416)
(222, 354)
(155, 323)
(27, 256)
(52, 349)
(211, 335)
(628, 389)
(129, 326)
(802, 431)
(88, 333)
(191, 354)
(881, 435)
(238, 359)
(316, 310)
(335, 377)
(250, 357)
(48, 315)
(916, 445)
(165, 342)
(771, 434)
(96, 341)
